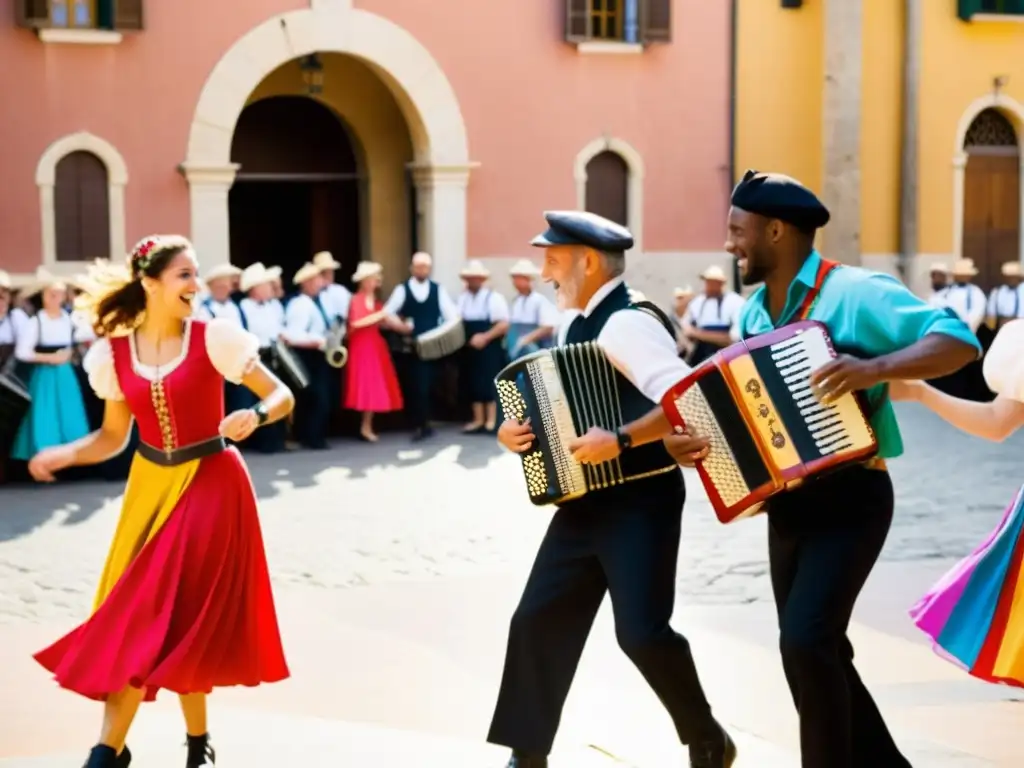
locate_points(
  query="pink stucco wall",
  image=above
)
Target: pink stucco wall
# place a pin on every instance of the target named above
(529, 100)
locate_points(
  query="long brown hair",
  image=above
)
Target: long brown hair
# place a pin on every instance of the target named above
(113, 297)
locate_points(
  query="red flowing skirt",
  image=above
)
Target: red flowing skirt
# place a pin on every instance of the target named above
(193, 609)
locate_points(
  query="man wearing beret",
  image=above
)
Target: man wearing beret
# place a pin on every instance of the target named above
(825, 536)
(622, 540)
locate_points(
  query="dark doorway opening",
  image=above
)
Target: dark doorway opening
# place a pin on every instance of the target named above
(298, 190)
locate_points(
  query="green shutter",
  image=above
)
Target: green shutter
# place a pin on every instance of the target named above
(967, 8)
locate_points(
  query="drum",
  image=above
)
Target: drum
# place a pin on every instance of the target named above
(14, 404)
(442, 341)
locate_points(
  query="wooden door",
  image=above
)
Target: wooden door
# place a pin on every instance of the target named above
(992, 211)
(608, 187)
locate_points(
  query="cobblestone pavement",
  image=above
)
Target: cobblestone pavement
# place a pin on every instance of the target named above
(359, 515)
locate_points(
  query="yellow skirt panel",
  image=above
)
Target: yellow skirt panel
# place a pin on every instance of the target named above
(152, 494)
(1010, 661)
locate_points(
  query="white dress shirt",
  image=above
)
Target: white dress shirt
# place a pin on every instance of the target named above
(45, 331)
(485, 304)
(20, 318)
(420, 289)
(304, 320)
(938, 298)
(7, 335)
(723, 312)
(336, 299)
(534, 309)
(224, 310)
(265, 319)
(637, 344)
(1006, 302)
(969, 303)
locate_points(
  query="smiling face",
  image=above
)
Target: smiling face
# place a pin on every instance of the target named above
(750, 240)
(171, 293)
(53, 298)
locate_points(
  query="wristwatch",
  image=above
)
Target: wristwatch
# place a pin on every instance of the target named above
(625, 439)
(262, 413)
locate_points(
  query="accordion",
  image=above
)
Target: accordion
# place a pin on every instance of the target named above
(442, 341)
(768, 430)
(564, 391)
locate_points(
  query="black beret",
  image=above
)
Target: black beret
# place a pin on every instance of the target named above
(780, 197)
(582, 228)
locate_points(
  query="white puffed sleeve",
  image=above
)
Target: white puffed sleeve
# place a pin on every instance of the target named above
(1004, 362)
(98, 365)
(232, 349)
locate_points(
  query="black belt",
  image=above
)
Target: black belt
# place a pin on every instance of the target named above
(181, 455)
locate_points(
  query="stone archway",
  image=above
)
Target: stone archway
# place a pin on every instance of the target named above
(440, 144)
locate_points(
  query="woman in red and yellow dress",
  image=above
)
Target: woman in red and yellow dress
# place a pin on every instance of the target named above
(184, 602)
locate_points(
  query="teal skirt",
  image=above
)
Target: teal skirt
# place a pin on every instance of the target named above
(57, 415)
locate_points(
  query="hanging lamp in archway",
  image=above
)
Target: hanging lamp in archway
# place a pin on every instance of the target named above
(312, 74)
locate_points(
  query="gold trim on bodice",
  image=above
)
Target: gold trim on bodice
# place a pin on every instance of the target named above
(163, 414)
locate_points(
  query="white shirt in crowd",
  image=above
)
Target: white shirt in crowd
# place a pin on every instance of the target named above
(420, 290)
(637, 344)
(1005, 301)
(969, 303)
(336, 299)
(265, 319)
(304, 320)
(485, 304)
(706, 312)
(534, 309)
(7, 334)
(224, 310)
(45, 331)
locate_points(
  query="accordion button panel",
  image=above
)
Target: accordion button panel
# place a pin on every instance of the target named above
(721, 466)
(763, 413)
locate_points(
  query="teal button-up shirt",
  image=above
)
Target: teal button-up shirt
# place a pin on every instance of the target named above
(868, 314)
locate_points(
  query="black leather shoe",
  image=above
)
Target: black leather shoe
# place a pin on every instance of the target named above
(124, 759)
(200, 752)
(102, 756)
(522, 760)
(717, 752)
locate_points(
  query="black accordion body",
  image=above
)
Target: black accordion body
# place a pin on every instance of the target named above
(565, 391)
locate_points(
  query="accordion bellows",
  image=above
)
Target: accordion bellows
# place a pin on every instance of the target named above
(767, 429)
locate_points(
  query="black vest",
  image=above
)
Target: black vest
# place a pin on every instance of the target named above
(645, 458)
(426, 314)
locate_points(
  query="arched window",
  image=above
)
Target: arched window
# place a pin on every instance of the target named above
(607, 191)
(82, 208)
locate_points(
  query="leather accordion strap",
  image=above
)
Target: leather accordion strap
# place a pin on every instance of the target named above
(824, 270)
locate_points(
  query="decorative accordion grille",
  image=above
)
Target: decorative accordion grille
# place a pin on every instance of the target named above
(514, 406)
(720, 463)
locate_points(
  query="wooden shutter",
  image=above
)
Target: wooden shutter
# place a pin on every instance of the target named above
(607, 191)
(127, 15)
(32, 13)
(655, 21)
(577, 21)
(967, 8)
(81, 208)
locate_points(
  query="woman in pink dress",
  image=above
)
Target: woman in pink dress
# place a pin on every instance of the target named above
(371, 385)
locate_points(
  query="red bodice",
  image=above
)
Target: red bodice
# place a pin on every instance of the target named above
(185, 406)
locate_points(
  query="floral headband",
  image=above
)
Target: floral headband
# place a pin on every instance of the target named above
(148, 248)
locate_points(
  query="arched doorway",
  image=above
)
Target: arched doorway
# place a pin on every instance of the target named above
(607, 191)
(298, 190)
(991, 219)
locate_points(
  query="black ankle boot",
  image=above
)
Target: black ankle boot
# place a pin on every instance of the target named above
(102, 756)
(524, 760)
(200, 752)
(124, 759)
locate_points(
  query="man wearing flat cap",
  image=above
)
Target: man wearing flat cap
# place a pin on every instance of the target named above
(622, 540)
(825, 535)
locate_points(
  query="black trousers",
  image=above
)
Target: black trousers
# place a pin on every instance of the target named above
(625, 544)
(312, 405)
(421, 384)
(823, 540)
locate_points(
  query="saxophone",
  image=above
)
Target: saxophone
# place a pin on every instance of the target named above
(334, 348)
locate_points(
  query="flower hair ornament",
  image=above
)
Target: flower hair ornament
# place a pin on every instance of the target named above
(147, 248)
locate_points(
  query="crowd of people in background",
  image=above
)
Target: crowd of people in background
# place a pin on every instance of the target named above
(381, 376)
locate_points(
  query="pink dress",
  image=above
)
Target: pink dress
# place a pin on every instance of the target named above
(370, 380)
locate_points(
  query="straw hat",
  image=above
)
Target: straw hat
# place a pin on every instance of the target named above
(1011, 269)
(475, 268)
(713, 272)
(422, 257)
(939, 268)
(324, 260)
(964, 268)
(682, 293)
(524, 268)
(222, 271)
(5, 280)
(366, 269)
(257, 274)
(42, 280)
(307, 271)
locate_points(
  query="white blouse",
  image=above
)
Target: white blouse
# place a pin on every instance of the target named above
(232, 350)
(43, 330)
(1004, 362)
